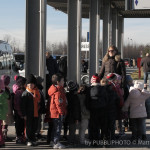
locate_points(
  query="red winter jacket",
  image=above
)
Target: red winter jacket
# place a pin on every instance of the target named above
(58, 104)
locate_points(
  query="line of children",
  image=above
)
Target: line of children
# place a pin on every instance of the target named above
(95, 107)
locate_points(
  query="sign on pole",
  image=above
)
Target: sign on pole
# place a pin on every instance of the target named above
(84, 46)
(141, 4)
(137, 4)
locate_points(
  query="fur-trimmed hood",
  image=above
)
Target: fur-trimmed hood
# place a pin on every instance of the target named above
(117, 57)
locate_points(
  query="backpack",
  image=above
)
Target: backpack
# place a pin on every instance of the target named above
(98, 97)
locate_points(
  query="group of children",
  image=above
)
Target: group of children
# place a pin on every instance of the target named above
(101, 108)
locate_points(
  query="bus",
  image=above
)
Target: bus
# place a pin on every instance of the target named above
(10, 63)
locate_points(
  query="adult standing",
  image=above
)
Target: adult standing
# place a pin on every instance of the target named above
(62, 67)
(112, 63)
(145, 63)
(52, 69)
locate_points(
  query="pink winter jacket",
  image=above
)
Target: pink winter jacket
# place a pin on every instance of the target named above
(136, 102)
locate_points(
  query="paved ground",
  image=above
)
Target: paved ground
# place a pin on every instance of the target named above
(122, 143)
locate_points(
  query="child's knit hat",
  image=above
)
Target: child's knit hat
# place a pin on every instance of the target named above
(5, 79)
(138, 85)
(111, 77)
(71, 85)
(31, 79)
(21, 81)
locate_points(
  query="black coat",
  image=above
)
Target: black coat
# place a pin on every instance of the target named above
(73, 109)
(52, 66)
(42, 109)
(113, 101)
(85, 114)
(27, 104)
(62, 66)
(97, 97)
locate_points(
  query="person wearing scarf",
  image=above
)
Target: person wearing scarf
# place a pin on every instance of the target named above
(29, 107)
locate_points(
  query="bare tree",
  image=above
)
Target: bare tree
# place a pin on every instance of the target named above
(7, 38)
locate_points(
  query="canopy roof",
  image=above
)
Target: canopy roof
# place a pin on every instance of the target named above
(118, 4)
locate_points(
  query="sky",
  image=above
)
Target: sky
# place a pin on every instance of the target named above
(12, 22)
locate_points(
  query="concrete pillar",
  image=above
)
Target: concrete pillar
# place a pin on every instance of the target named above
(42, 39)
(94, 36)
(121, 34)
(35, 37)
(74, 40)
(115, 27)
(107, 26)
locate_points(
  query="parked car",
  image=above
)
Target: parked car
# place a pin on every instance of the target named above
(128, 62)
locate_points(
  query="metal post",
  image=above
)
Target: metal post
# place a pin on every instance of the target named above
(74, 40)
(42, 47)
(32, 37)
(107, 26)
(115, 27)
(121, 34)
(94, 36)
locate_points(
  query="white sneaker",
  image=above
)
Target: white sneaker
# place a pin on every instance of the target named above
(29, 144)
(51, 144)
(58, 146)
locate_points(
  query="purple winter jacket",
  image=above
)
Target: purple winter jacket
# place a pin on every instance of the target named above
(17, 99)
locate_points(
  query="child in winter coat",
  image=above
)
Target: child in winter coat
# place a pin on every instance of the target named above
(3, 110)
(129, 84)
(97, 102)
(120, 116)
(74, 111)
(85, 114)
(112, 106)
(9, 117)
(42, 106)
(30, 107)
(19, 121)
(136, 103)
(58, 106)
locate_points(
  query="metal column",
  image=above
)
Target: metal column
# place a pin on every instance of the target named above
(74, 40)
(94, 36)
(42, 39)
(35, 37)
(107, 26)
(115, 27)
(42, 47)
(121, 34)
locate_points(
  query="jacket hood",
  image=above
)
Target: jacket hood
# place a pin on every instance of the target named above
(15, 88)
(52, 90)
(117, 57)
